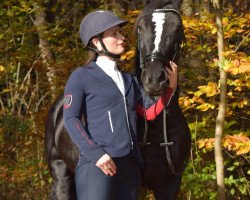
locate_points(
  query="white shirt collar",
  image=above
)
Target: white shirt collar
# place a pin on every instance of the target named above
(110, 68)
(106, 64)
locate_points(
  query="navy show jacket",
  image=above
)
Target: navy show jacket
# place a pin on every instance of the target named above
(110, 117)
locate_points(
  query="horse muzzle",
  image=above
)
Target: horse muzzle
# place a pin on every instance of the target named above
(154, 84)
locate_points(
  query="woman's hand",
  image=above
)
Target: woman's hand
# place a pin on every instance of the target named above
(107, 165)
(172, 75)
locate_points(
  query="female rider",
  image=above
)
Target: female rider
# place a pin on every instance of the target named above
(109, 100)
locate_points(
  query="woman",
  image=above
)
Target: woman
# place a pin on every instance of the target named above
(110, 158)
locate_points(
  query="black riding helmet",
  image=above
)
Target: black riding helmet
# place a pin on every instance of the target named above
(94, 24)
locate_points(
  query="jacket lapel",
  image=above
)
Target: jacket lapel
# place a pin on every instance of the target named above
(127, 81)
(98, 73)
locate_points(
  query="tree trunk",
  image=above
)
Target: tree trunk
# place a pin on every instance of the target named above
(46, 53)
(120, 7)
(187, 7)
(222, 105)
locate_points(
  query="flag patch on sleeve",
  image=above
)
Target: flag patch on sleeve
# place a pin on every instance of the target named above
(67, 100)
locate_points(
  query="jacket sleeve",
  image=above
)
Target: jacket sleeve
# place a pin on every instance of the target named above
(74, 101)
(146, 107)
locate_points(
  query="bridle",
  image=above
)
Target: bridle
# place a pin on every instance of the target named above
(156, 55)
(160, 57)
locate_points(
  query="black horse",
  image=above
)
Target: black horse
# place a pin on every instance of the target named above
(166, 141)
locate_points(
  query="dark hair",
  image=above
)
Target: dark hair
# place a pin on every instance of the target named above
(91, 57)
(91, 54)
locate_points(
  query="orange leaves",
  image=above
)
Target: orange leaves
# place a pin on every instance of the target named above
(238, 66)
(235, 63)
(238, 143)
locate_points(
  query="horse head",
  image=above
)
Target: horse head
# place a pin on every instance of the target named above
(160, 34)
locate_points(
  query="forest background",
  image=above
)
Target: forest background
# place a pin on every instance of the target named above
(40, 46)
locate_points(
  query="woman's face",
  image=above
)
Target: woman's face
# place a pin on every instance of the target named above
(113, 40)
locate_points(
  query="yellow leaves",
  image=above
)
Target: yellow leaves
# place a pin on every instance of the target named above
(2, 69)
(248, 83)
(128, 55)
(205, 106)
(239, 143)
(229, 112)
(197, 102)
(214, 30)
(28, 143)
(186, 103)
(242, 103)
(210, 90)
(225, 64)
(133, 13)
(225, 20)
(207, 143)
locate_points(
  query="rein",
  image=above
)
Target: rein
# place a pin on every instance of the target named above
(158, 56)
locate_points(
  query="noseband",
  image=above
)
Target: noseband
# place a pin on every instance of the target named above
(154, 55)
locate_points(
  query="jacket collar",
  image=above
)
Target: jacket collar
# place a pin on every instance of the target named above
(98, 73)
